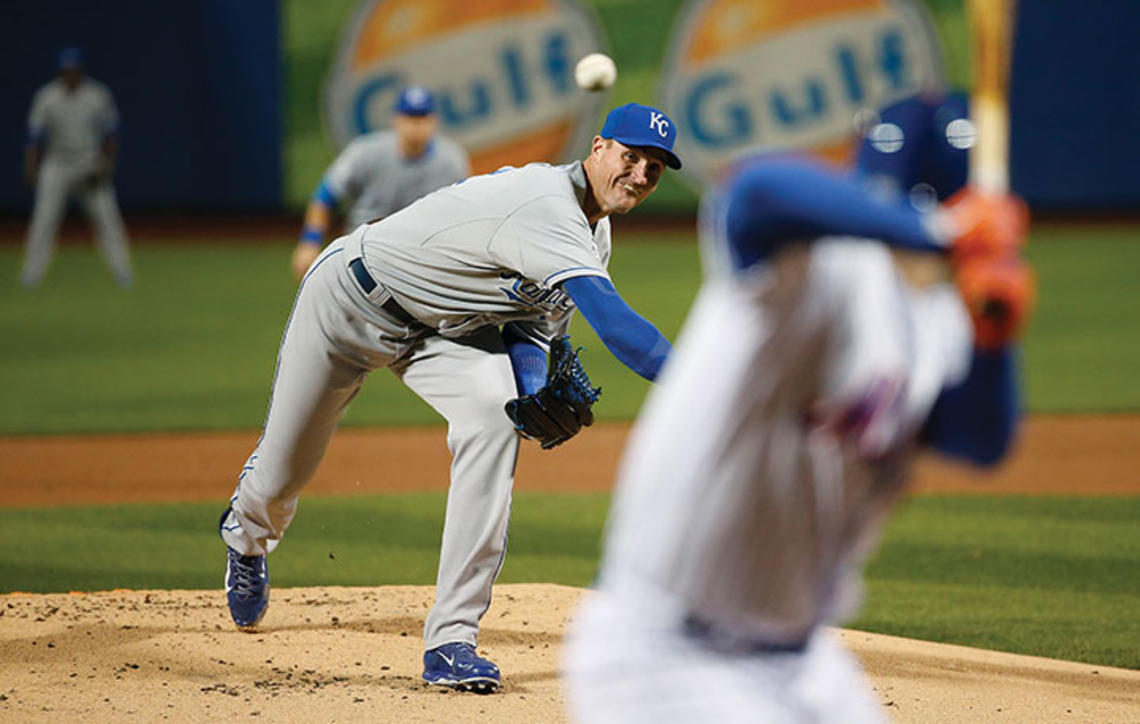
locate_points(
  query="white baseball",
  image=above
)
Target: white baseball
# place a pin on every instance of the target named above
(595, 72)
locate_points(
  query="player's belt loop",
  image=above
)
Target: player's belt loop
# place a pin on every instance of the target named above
(369, 285)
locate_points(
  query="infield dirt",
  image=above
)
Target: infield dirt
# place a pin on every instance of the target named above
(353, 654)
(1074, 455)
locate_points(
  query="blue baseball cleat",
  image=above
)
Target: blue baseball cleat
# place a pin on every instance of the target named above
(458, 666)
(247, 585)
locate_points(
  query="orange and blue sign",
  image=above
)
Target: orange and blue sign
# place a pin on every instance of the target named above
(501, 71)
(783, 75)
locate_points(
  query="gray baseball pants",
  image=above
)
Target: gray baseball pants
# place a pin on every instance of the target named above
(335, 336)
(57, 182)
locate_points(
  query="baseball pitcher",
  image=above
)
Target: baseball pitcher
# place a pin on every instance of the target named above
(380, 173)
(460, 295)
(71, 149)
(763, 466)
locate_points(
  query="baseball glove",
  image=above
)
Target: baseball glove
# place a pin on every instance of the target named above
(561, 408)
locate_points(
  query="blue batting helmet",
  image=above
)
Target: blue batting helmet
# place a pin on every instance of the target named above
(919, 146)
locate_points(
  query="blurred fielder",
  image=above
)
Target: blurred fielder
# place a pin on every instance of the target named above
(460, 294)
(72, 143)
(763, 466)
(382, 172)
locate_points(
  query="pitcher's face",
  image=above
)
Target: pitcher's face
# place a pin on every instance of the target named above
(621, 176)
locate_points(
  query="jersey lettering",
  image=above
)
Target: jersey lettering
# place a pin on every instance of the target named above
(533, 294)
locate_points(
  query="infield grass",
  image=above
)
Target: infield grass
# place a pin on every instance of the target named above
(1046, 576)
(194, 344)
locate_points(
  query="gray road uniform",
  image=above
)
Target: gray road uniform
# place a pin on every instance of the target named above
(72, 127)
(423, 292)
(374, 175)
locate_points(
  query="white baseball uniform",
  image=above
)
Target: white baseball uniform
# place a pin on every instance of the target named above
(755, 482)
(379, 180)
(73, 125)
(458, 263)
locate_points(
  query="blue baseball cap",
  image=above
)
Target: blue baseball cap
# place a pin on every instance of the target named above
(923, 140)
(415, 100)
(70, 58)
(636, 125)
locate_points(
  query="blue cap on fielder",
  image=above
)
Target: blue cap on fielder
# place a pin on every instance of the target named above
(415, 100)
(70, 58)
(636, 125)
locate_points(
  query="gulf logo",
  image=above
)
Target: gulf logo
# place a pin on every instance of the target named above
(502, 72)
(795, 75)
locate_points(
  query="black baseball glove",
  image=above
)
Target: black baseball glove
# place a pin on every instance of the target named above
(561, 408)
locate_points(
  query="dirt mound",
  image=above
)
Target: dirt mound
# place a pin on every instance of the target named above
(353, 654)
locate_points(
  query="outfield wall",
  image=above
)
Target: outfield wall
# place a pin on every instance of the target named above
(197, 83)
(217, 96)
(1075, 105)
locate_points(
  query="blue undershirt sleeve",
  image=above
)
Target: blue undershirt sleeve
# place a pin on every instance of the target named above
(630, 337)
(528, 361)
(976, 420)
(324, 194)
(777, 201)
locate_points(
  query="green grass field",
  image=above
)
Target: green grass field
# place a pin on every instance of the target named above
(193, 347)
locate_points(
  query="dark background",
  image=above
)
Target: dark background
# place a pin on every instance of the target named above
(198, 86)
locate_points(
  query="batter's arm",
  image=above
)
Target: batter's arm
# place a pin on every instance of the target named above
(976, 420)
(775, 201)
(630, 337)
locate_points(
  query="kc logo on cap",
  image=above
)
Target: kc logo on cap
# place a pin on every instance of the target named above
(636, 125)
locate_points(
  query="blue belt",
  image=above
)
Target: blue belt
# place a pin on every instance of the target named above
(701, 630)
(367, 283)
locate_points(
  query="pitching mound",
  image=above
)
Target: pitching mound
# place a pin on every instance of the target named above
(353, 654)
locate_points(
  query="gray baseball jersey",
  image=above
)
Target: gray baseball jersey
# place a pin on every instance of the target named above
(72, 124)
(462, 260)
(491, 249)
(378, 180)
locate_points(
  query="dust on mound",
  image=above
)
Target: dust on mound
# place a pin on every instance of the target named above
(336, 654)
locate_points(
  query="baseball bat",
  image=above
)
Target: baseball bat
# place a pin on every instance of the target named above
(991, 23)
